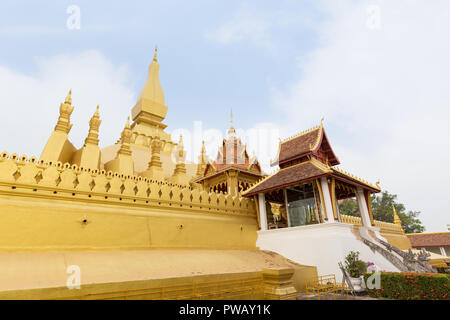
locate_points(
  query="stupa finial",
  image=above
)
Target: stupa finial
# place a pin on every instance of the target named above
(155, 54)
(69, 97)
(94, 125)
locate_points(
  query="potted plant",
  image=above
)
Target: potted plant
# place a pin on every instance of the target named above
(355, 268)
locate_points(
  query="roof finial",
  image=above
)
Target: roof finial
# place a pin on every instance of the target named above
(127, 125)
(321, 121)
(203, 146)
(231, 131)
(156, 52)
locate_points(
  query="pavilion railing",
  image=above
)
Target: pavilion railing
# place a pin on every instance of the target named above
(385, 227)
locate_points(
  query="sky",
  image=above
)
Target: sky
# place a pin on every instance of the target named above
(377, 71)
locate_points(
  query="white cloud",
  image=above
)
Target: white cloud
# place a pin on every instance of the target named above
(244, 26)
(29, 104)
(387, 92)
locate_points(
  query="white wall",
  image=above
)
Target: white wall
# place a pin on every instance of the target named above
(320, 245)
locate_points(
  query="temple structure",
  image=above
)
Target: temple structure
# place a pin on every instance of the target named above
(104, 211)
(298, 212)
(308, 186)
(233, 171)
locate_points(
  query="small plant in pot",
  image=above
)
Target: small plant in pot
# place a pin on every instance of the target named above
(356, 268)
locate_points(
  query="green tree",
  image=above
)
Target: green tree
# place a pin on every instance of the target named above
(382, 211)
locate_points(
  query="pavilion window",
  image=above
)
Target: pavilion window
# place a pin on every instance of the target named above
(302, 205)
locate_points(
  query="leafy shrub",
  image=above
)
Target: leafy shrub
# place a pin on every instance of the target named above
(354, 266)
(412, 286)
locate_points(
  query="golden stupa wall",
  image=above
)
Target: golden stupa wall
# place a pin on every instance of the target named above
(55, 206)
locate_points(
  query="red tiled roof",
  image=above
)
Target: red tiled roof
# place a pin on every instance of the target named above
(289, 176)
(435, 239)
(299, 145)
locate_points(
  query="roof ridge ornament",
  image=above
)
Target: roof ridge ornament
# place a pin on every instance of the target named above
(303, 132)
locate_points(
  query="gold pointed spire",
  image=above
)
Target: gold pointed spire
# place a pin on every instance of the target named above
(126, 139)
(203, 147)
(397, 220)
(69, 98)
(150, 109)
(202, 160)
(396, 217)
(155, 54)
(94, 124)
(65, 110)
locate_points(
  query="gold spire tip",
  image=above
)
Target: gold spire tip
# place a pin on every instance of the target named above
(69, 97)
(156, 53)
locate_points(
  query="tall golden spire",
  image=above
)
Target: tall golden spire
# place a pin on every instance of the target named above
(94, 124)
(150, 108)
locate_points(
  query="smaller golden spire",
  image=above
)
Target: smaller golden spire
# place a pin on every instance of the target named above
(397, 220)
(126, 139)
(155, 54)
(180, 143)
(65, 110)
(94, 125)
(69, 98)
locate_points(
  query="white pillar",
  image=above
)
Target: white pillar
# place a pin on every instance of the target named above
(443, 253)
(327, 199)
(262, 211)
(362, 204)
